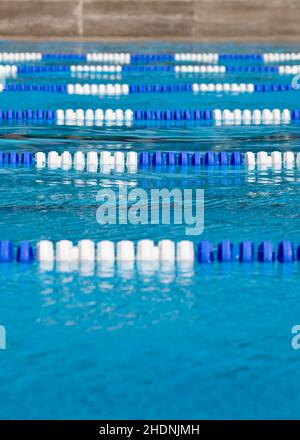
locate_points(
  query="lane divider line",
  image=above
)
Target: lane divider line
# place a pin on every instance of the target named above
(92, 160)
(218, 116)
(146, 250)
(127, 57)
(126, 89)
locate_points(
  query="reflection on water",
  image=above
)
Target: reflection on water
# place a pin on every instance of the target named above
(167, 271)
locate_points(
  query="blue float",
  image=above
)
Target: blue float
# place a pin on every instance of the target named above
(26, 158)
(145, 159)
(236, 158)
(265, 253)
(222, 158)
(25, 252)
(171, 158)
(13, 158)
(196, 159)
(286, 252)
(183, 159)
(209, 158)
(157, 159)
(205, 252)
(225, 251)
(6, 251)
(296, 114)
(246, 251)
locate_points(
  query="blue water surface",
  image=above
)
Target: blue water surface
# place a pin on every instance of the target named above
(214, 342)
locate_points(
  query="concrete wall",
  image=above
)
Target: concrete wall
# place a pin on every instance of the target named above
(199, 19)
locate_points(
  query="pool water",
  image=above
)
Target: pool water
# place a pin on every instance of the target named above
(147, 344)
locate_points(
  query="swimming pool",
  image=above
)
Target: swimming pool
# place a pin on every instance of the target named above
(213, 342)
